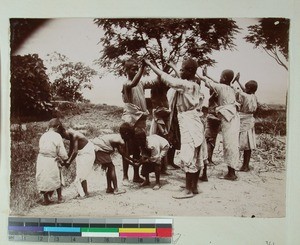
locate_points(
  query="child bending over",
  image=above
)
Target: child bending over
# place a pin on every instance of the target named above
(153, 149)
(105, 145)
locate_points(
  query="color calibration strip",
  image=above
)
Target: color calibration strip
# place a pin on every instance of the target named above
(90, 230)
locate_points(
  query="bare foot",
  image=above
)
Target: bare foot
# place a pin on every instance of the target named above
(118, 192)
(145, 183)
(109, 190)
(174, 166)
(47, 202)
(244, 169)
(126, 182)
(203, 178)
(229, 177)
(156, 187)
(61, 200)
(184, 194)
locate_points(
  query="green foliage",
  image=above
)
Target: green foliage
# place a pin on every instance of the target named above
(30, 90)
(70, 79)
(272, 35)
(163, 40)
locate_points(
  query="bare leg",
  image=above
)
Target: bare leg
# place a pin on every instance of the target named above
(84, 187)
(247, 156)
(187, 193)
(59, 195)
(146, 181)
(211, 142)
(125, 169)
(230, 175)
(109, 188)
(170, 157)
(204, 173)
(195, 182)
(157, 178)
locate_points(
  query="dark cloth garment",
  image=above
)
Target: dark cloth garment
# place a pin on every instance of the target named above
(102, 157)
(212, 127)
(149, 167)
(174, 133)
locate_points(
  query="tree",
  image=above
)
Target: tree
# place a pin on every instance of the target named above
(30, 90)
(70, 78)
(163, 40)
(272, 35)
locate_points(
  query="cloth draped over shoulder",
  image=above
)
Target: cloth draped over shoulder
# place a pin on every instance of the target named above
(48, 174)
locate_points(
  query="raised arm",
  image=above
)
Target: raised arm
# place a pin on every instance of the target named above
(237, 79)
(173, 66)
(204, 73)
(137, 77)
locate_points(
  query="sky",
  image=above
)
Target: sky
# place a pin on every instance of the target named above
(78, 39)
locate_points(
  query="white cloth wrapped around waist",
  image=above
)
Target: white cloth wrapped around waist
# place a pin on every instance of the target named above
(227, 111)
(191, 127)
(132, 113)
(247, 121)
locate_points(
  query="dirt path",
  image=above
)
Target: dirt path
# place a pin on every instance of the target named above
(256, 193)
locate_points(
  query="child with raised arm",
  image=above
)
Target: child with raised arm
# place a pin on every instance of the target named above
(248, 105)
(135, 111)
(153, 148)
(105, 145)
(83, 152)
(184, 101)
(230, 122)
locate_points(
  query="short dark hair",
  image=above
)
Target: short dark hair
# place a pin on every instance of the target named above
(126, 130)
(129, 63)
(190, 64)
(251, 86)
(228, 76)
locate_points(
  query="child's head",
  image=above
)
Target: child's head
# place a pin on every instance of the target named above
(140, 137)
(251, 87)
(55, 124)
(131, 67)
(188, 68)
(226, 76)
(126, 131)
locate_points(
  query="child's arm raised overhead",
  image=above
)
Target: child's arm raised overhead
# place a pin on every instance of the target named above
(204, 73)
(237, 78)
(173, 66)
(137, 77)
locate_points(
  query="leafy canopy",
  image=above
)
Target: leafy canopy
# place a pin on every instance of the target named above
(272, 35)
(30, 90)
(163, 40)
(70, 78)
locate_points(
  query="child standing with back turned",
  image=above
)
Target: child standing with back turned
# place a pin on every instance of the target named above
(248, 106)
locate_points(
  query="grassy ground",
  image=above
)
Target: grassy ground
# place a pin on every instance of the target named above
(94, 120)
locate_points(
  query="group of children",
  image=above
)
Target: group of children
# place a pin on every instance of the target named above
(176, 125)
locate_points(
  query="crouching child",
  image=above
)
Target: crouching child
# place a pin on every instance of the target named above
(153, 149)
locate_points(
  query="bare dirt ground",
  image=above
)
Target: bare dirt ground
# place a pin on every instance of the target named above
(259, 193)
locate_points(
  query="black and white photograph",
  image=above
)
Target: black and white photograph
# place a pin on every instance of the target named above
(137, 117)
